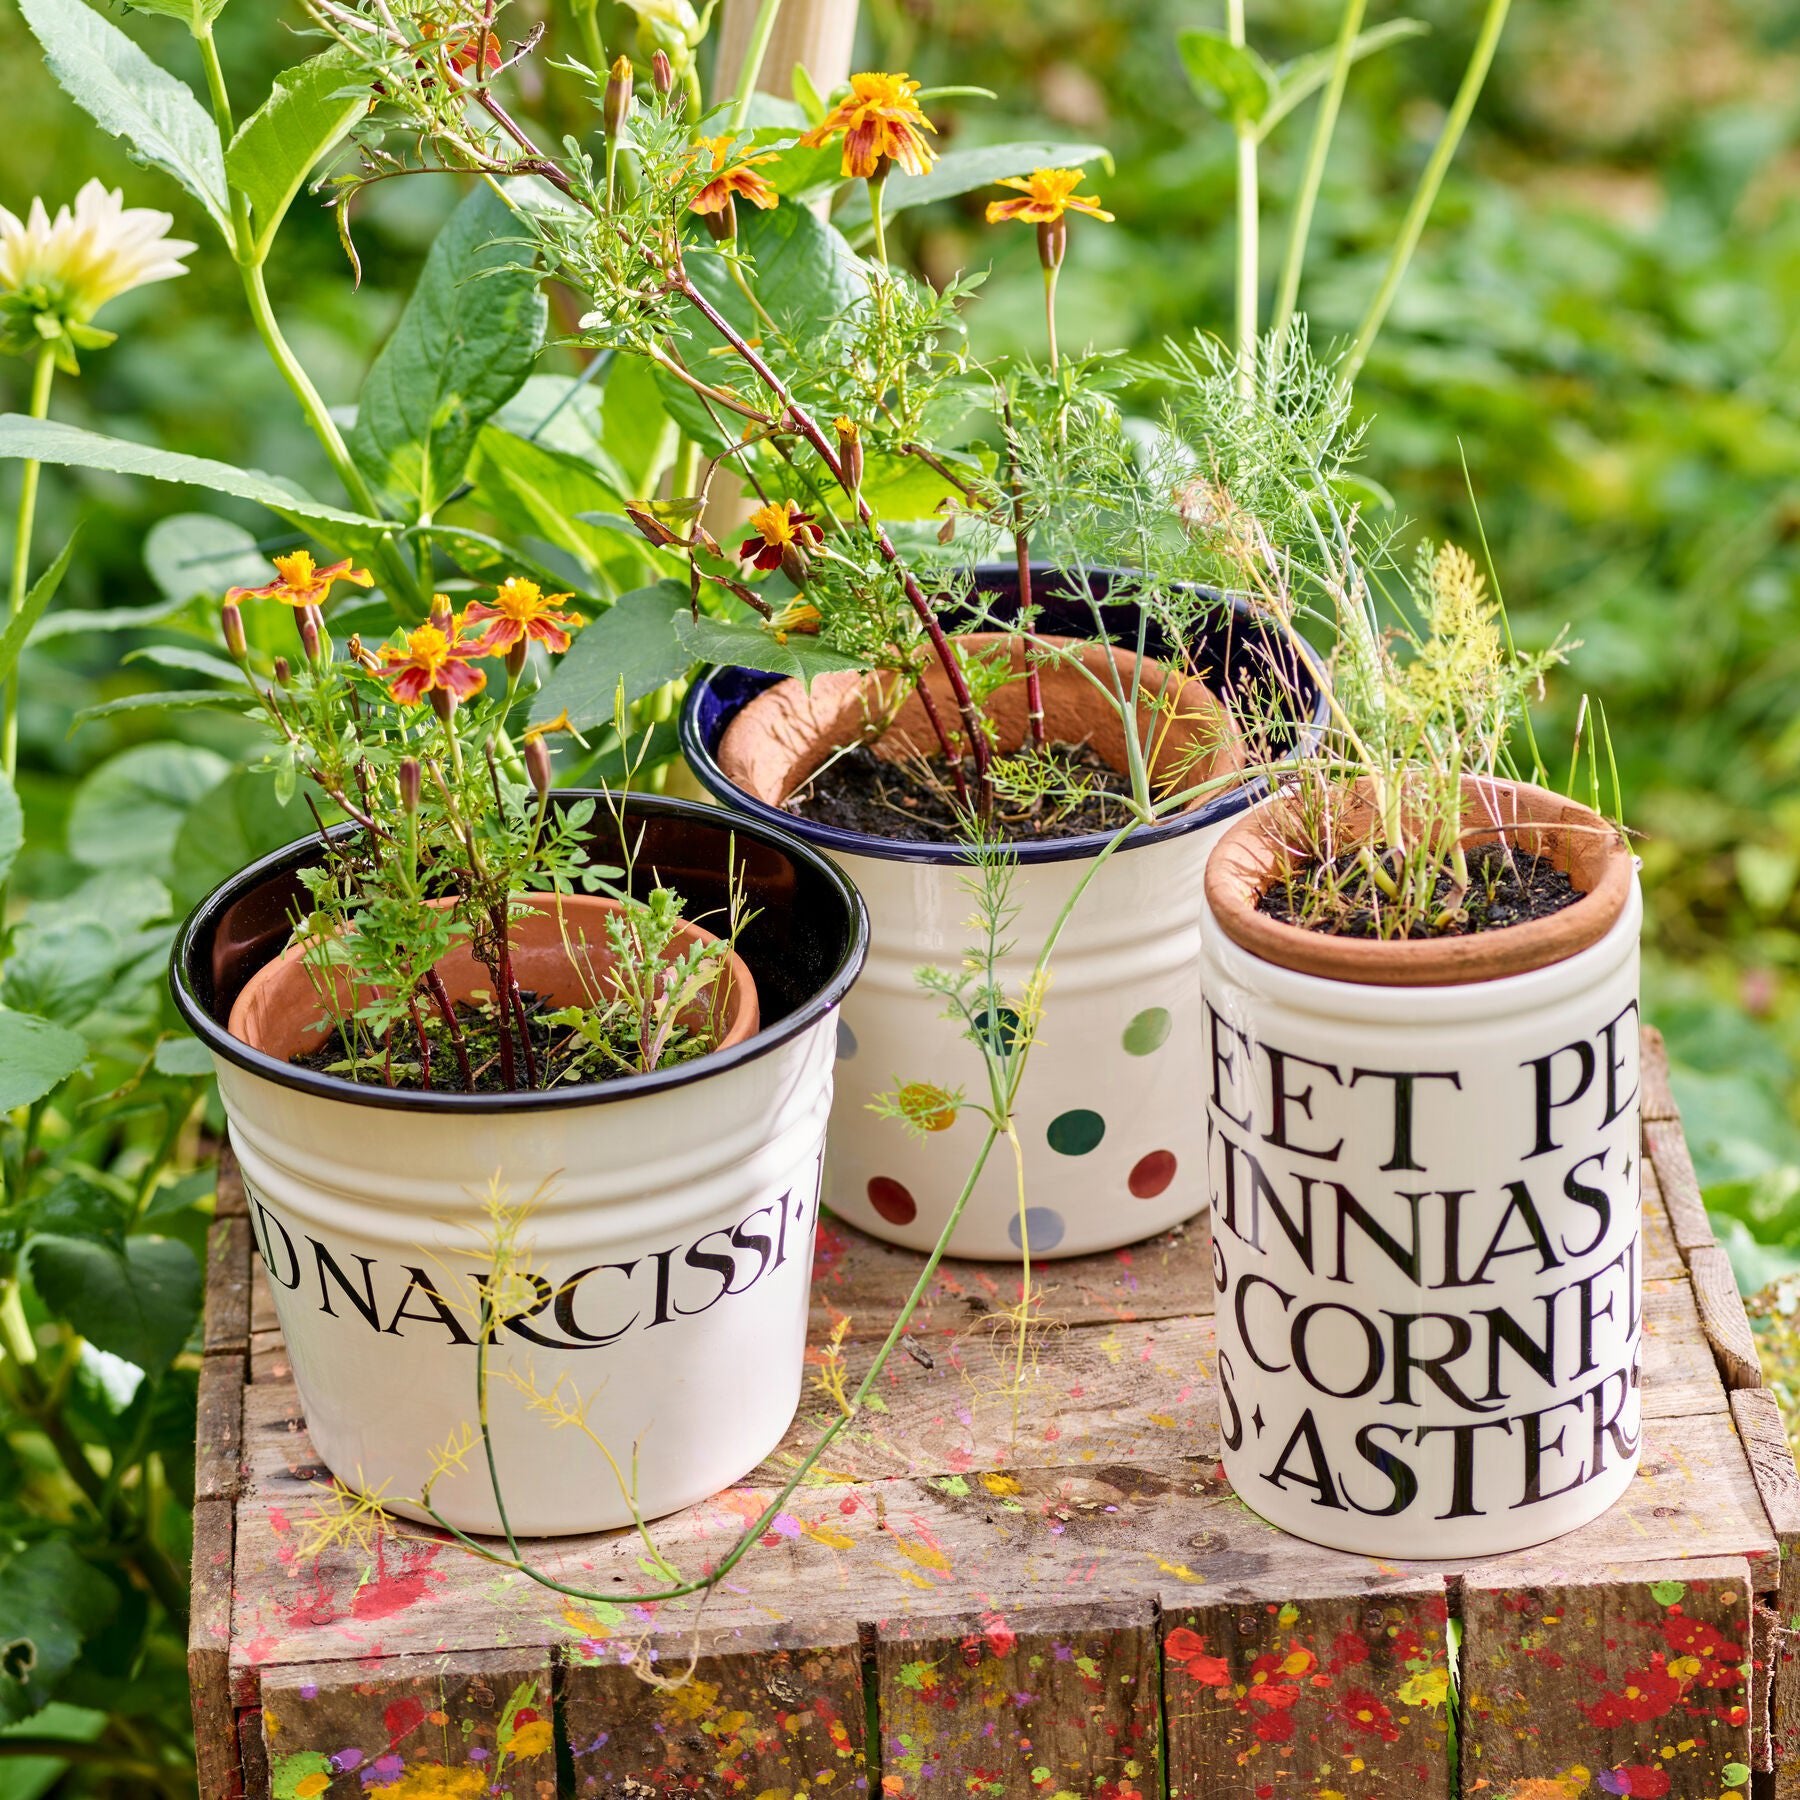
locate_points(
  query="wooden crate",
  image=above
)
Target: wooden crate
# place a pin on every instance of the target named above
(1063, 1599)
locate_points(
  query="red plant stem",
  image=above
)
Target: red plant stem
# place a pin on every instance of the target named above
(808, 427)
(440, 998)
(503, 983)
(1034, 687)
(424, 1046)
(518, 1006)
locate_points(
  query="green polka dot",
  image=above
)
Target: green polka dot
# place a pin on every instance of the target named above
(1076, 1133)
(1148, 1031)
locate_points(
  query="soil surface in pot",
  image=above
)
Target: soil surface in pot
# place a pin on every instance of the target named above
(1506, 887)
(858, 791)
(561, 1055)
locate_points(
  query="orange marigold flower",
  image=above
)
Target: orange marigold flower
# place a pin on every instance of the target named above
(775, 530)
(299, 582)
(880, 121)
(730, 178)
(461, 50)
(433, 661)
(521, 610)
(1049, 193)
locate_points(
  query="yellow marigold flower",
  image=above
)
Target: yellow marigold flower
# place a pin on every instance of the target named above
(300, 583)
(880, 122)
(521, 610)
(1049, 193)
(730, 178)
(776, 528)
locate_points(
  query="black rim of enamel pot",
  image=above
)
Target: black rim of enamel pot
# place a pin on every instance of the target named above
(1233, 652)
(805, 946)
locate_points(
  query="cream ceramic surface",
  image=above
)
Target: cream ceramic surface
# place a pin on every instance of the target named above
(1426, 1241)
(669, 1256)
(1112, 1134)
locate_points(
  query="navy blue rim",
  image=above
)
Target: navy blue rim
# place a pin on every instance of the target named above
(197, 932)
(698, 745)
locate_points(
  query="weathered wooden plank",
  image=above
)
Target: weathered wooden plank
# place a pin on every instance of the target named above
(1784, 1709)
(209, 1646)
(475, 1724)
(875, 1550)
(218, 1428)
(1345, 1693)
(760, 1710)
(1662, 1261)
(1765, 1624)
(1679, 1186)
(866, 1282)
(1722, 1317)
(269, 1357)
(230, 1200)
(1764, 1437)
(262, 1299)
(1058, 1700)
(252, 1754)
(1656, 1098)
(226, 1327)
(1638, 1682)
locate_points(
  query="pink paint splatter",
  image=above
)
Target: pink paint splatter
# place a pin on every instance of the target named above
(389, 1592)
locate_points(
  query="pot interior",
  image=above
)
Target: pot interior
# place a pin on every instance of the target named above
(806, 933)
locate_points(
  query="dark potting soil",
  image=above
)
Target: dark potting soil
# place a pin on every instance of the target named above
(560, 1055)
(1505, 888)
(860, 792)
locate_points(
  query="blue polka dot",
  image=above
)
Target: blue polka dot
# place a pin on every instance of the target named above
(846, 1041)
(1044, 1228)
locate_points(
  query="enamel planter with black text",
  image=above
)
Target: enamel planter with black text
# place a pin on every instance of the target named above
(1112, 1145)
(653, 1296)
(1423, 1163)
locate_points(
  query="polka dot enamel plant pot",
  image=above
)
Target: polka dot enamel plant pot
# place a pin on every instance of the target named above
(664, 1270)
(1113, 1139)
(1422, 1160)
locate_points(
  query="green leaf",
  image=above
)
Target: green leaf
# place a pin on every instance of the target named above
(1230, 79)
(34, 1057)
(12, 825)
(51, 1603)
(48, 440)
(633, 641)
(168, 700)
(43, 591)
(32, 1777)
(126, 814)
(1305, 75)
(199, 553)
(634, 421)
(464, 345)
(196, 15)
(128, 96)
(228, 828)
(712, 640)
(62, 968)
(182, 1056)
(804, 271)
(903, 487)
(190, 657)
(962, 172)
(538, 491)
(478, 554)
(138, 1299)
(274, 150)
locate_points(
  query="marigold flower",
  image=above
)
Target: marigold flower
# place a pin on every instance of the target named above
(777, 530)
(521, 610)
(300, 582)
(433, 662)
(461, 49)
(799, 618)
(880, 122)
(1049, 193)
(619, 98)
(55, 274)
(729, 179)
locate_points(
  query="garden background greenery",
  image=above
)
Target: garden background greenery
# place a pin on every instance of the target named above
(1603, 320)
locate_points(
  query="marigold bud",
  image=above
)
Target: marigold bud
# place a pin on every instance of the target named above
(850, 454)
(617, 106)
(410, 784)
(443, 614)
(231, 622)
(796, 565)
(537, 764)
(1053, 241)
(723, 223)
(662, 74)
(283, 673)
(515, 659)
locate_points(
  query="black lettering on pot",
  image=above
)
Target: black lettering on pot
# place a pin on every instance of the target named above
(1434, 1368)
(327, 1265)
(744, 1239)
(1584, 1194)
(1231, 1421)
(1462, 1463)
(1403, 1079)
(265, 1220)
(1223, 1063)
(1544, 1089)
(1531, 1427)
(1407, 1259)
(1504, 1330)
(565, 1306)
(1606, 1419)
(1281, 1097)
(1374, 1355)
(420, 1283)
(1520, 1205)
(1615, 1063)
(1402, 1481)
(1305, 1437)
(1244, 1286)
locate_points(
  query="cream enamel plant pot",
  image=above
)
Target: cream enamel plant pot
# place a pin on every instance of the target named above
(1114, 1146)
(1425, 1204)
(666, 1258)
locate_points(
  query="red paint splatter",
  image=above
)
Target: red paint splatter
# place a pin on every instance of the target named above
(1188, 1649)
(1365, 1712)
(999, 1635)
(387, 1593)
(401, 1717)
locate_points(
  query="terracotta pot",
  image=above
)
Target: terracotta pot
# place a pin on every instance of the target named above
(280, 1011)
(1114, 1146)
(670, 1232)
(1425, 1189)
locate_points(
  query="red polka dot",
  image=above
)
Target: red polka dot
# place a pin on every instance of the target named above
(893, 1202)
(1152, 1174)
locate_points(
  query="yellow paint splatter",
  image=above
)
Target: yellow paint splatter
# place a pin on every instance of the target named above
(532, 1739)
(437, 1784)
(1430, 1687)
(308, 1785)
(693, 1699)
(1180, 1571)
(1001, 1484)
(1163, 1420)
(924, 1554)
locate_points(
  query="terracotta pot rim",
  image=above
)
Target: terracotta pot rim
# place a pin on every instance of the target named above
(279, 972)
(703, 760)
(834, 896)
(1246, 861)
